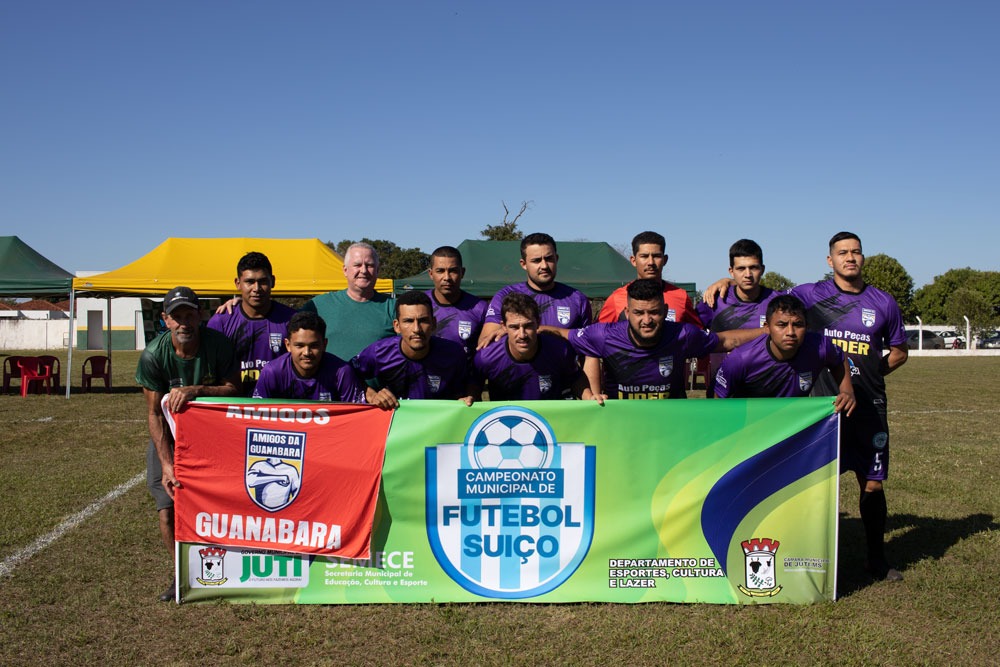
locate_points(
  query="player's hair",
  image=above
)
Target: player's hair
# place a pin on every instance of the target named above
(413, 298)
(647, 289)
(447, 251)
(648, 238)
(363, 246)
(308, 320)
(843, 236)
(745, 248)
(537, 238)
(253, 261)
(785, 303)
(520, 304)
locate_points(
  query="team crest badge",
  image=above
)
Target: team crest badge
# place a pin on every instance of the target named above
(563, 314)
(213, 561)
(275, 340)
(761, 580)
(434, 382)
(868, 317)
(544, 383)
(325, 396)
(763, 320)
(671, 315)
(274, 462)
(666, 366)
(464, 329)
(510, 511)
(805, 381)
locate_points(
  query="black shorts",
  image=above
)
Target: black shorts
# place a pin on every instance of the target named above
(864, 445)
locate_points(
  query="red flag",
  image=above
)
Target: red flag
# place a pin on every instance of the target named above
(289, 477)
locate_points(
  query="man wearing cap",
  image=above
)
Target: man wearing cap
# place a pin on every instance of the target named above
(185, 362)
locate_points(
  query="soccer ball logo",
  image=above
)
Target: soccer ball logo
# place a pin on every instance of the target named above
(510, 439)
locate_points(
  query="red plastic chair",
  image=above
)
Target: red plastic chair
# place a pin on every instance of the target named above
(99, 368)
(695, 367)
(56, 366)
(33, 370)
(11, 371)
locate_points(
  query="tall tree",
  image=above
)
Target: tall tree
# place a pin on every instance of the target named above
(975, 305)
(887, 274)
(776, 281)
(394, 262)
(507, 229)
(931, 301)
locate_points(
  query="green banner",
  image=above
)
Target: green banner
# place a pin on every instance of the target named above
(723, 501)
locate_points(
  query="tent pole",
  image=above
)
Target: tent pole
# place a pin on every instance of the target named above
(110, 374)
(69, 354)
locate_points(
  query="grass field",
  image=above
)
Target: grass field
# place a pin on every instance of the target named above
(90, 596)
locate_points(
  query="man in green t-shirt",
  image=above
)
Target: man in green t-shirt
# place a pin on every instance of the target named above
(185, 362)
(357, 316)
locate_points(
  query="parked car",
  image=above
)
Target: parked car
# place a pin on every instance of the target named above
(952, 340)
(991, 343)
(931, 341)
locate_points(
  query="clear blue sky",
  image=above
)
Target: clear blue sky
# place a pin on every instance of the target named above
(127, 122)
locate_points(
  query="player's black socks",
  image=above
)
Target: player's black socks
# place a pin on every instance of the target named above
(873, 514)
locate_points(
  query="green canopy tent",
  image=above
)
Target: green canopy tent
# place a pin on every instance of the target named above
(24, 272)
(593, 267)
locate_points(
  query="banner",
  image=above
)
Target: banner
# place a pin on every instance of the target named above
(272, 475)
(726, 501)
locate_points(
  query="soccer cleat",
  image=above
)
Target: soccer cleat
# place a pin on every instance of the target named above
(883, 572)
(169, 594)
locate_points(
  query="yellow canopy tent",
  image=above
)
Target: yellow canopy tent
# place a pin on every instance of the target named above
(302, 267)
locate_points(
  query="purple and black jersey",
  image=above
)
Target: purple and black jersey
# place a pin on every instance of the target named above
(862, 325)
(461, 322)
(752, 370)
(730, 312)
(562, 306)
(335, 381)
(643, 372)
(257, 341)
(441, 374)
(549, 375)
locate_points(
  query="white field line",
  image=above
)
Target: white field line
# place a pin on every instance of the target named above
(48, 420)
(943, 412)
(15, 559)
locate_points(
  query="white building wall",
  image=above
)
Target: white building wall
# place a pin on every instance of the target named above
(33, 334)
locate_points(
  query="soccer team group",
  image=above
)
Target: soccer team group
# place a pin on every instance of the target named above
(537, 340)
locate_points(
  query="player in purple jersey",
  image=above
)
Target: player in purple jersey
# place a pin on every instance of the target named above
(744, 306)
(643, 357)
(308, 371)
(863, 321)
(786, 361)
(524, 366)
(415, 363)
(459, 315)
(558, 304)
(255, 324)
